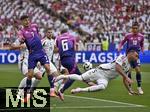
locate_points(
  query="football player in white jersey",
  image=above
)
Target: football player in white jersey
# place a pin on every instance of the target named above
(49, 46)
(105, 72)
(57, 63)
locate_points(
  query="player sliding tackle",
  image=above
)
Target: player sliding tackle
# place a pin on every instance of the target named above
(105, 72)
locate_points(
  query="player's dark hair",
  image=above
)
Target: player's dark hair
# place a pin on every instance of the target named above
(63, 31)
(49, 28)
(135, 24)
(131, 51)
(24, 17)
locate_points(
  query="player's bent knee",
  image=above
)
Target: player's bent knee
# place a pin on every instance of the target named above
(101, 87)
(47, 68)
(48, 71)
(80, 78)
(97, 87)
(30, 74)
(138, 71)
(38, 76)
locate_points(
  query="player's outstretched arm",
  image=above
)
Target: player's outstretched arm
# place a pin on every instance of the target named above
(5, 48)
(126, 79)
(131, 92)
(121, 72)
(12, 47)
(17, 47)
(127, 86)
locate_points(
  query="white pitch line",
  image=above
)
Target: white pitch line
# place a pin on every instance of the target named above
(126, 105)
(91, 107)
(87, 98)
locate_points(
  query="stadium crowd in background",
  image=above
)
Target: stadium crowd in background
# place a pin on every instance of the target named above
(88, 20)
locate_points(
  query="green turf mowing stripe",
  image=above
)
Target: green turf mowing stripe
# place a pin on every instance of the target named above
(92, 107)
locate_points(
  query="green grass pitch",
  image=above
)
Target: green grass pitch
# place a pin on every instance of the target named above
(114, 99)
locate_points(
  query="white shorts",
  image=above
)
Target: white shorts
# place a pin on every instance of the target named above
(42, 69)
(56, 60)
(52, 67)
(23, 66)
(95, 75)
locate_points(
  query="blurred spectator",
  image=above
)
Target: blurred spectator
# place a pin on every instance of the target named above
(105, 44)
(90, 20)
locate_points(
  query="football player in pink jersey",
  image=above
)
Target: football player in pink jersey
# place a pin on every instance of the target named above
(135, 41)
(66, 45)
(29, 35)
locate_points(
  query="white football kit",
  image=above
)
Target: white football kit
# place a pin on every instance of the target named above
(23, 60)
(105, 72)
(48, 45)
(56, 61)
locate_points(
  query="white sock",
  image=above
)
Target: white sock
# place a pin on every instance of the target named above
(93, 88)
(74, 77)
(35, 82)
(22, 85)
(61, 86)
(57, 84)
